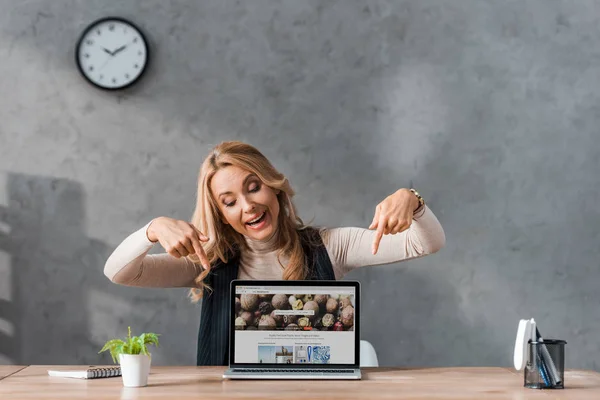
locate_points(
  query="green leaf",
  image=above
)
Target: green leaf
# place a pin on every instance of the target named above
(151, 338)
(111, 344)
(118, 349)
(140, 343)
(129, 340)
(115, 347)
(135, 346)
(131, 345)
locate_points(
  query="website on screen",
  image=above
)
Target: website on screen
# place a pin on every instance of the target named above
(294, 325)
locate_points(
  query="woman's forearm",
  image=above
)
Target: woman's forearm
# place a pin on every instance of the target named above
(350, 248)
(131, 265)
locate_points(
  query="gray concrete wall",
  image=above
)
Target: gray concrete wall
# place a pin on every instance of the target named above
(490, 108)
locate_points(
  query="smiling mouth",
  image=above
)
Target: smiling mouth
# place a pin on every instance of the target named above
(257, 220)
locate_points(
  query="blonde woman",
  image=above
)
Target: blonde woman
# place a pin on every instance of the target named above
(245, 226)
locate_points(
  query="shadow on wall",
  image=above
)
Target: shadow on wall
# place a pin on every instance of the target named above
(51, 264)
(9, 317)
(56, 305)
(10, 321)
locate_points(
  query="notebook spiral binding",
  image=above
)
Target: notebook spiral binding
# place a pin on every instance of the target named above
(98, 372)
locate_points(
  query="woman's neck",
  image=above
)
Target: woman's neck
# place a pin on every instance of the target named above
(263, 246)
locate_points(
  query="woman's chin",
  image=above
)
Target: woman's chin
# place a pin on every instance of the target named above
(262, 235)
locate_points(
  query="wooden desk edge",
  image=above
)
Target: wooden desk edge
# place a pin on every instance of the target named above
(17, 368)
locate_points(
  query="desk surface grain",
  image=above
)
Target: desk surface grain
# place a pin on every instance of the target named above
(6, 370)
(33, 382)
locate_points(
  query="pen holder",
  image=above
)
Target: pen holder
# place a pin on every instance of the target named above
(545, 364)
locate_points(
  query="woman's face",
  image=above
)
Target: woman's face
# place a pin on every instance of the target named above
(248, 205)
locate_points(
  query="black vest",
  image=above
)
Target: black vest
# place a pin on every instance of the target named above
(213, 335)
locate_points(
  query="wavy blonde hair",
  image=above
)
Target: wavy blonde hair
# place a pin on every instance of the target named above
(224, 241)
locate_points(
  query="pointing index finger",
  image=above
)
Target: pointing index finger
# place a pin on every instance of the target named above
(379, 234)
(202, 256)
(199, 250)
(201, 235)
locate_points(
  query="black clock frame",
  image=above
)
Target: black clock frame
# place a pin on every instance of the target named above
(92, 26)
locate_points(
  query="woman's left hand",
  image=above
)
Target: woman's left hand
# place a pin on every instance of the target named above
(393, 215)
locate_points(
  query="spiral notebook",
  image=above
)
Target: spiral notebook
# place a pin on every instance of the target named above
(88, 373)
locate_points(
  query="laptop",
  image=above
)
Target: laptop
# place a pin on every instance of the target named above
(294, 330)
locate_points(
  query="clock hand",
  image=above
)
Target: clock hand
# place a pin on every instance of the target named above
(107, 51)
(119, 49)
(105, 62)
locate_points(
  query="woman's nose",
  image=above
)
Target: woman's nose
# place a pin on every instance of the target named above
(249, 206)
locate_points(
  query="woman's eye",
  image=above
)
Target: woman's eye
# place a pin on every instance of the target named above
(254, 188)
(230, 204)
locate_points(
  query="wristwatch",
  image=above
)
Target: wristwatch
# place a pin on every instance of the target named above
(419, 197)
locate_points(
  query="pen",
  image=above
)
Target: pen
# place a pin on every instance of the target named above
(536, 359)
(552, 371)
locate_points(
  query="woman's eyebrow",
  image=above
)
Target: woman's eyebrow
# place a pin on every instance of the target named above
(250, 175)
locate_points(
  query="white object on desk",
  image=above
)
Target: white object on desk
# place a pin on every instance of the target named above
(135, 368)
(524, 332)
(88, 373)
(368, 356)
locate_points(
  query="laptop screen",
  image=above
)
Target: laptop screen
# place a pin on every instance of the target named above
(295, 325)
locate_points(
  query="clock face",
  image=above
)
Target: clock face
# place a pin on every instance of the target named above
(112, 53)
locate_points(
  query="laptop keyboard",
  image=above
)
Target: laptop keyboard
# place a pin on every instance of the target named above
(295, 371)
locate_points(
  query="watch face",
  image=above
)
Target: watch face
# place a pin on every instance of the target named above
(112, 53)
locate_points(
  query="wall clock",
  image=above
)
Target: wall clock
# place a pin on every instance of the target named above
(112, 53)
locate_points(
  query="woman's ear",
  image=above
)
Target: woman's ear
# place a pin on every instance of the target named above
(277, 191)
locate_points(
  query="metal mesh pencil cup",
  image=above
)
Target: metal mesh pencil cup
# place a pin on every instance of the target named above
(545, 367)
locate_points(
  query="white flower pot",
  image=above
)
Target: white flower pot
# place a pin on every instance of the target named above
(135, 369)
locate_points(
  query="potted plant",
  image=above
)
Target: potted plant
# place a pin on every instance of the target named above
(133, 356)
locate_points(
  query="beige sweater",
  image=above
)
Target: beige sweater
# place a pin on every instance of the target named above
(348, 248)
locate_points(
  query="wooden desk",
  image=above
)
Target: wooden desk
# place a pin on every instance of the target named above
(378, 383)
(6, 370)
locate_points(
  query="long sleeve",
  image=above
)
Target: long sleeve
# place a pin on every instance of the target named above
(350, 248)
(131, 265)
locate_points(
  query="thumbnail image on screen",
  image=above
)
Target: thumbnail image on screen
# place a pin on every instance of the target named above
(323, 312)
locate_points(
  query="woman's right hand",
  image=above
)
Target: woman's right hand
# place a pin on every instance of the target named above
(179, 238)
